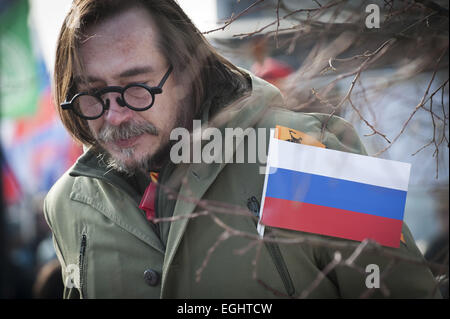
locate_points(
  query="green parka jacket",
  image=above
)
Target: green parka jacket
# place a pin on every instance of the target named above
(108, 249)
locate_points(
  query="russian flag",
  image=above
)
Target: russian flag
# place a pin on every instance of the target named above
(334, 193)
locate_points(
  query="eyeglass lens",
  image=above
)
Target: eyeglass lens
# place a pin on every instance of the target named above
(88, 105)
(135, 96)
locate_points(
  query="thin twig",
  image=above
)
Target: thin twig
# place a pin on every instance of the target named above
(421, 103)
(308, 10)
(374, 131)
(234, 18)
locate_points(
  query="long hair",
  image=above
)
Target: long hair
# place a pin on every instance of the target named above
(180, 42)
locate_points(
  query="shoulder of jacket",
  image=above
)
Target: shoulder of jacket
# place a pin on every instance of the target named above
(58, 197)
(333, 131)
(275, 114)
(335, 124)
(60, 189)
(263, 92)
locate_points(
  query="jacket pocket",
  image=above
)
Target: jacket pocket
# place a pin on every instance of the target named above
(82, 264)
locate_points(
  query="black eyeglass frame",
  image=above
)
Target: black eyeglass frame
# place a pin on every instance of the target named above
(153, 90)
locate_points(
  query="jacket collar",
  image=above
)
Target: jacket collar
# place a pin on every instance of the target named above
(91, 165)
(133, 220)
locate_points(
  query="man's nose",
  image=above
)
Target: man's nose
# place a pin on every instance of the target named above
(117, 112)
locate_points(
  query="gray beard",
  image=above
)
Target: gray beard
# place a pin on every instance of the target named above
(126, 130)
(131, 129)
(144, 165)
(129, 170)
(184, 116)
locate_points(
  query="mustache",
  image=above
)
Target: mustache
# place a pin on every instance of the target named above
(126, 130)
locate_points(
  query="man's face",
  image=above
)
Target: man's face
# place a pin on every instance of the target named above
(119, 51)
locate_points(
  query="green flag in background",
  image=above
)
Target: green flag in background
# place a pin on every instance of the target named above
(19, 85)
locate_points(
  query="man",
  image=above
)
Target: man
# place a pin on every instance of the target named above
(129, 222)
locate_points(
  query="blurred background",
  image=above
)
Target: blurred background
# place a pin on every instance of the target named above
(389, 79)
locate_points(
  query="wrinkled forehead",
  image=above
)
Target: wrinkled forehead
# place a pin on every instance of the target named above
(118, 42)
(133, 22)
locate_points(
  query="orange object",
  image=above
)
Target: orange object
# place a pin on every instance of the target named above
(287, 134)
(402, 238)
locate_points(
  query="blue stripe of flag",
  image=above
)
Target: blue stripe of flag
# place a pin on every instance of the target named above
(337, 193)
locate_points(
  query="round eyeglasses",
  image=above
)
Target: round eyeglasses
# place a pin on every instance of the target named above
(137, 97)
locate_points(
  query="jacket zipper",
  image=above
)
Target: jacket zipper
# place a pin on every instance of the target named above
(82, 265)
(158, 190)
(282, 269)
(274, 251)
(158, 228)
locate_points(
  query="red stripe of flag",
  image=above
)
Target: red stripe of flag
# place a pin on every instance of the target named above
(331, 221)
(11, 187)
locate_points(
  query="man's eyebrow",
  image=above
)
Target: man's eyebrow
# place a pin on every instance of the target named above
(78, 79)
(128, 73)
(136, 71)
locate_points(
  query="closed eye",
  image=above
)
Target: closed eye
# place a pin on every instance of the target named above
(136, 91)
(147, 83)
